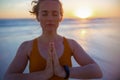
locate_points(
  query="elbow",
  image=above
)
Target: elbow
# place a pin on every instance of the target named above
(98, 72)
(5, 77)
(95, 71)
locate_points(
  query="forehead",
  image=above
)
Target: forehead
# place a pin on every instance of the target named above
(49, 5)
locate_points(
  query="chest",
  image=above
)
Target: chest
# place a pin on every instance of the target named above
(39, 54)
(44, 49)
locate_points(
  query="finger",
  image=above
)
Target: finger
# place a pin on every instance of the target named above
(51, 44)
(49, 59)
(49, 56)
(54, 55)
(53, 50)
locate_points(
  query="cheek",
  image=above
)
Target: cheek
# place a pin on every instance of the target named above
(57, 21)
(60, 18)
(39, 17)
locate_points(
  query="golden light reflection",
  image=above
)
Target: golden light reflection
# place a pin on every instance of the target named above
(82, 36)
(83, 33)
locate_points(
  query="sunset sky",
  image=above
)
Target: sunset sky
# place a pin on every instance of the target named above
(72, 8)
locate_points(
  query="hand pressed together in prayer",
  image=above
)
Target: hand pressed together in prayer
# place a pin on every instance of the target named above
(53, 66)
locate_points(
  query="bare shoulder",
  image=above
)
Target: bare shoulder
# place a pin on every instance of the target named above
(26, 47)
(71, 41)
(73, 44)
(27, 44)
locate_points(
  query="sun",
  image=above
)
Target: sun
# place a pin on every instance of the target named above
(84, 12)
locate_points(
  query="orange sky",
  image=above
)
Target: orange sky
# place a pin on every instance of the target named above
(100, 8)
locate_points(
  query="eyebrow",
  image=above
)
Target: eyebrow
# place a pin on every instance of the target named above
(47, 11)
(44, 11)
(55, 11)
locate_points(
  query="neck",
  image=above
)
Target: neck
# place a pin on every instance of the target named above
(49, 37)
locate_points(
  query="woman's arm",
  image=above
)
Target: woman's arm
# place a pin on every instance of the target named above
(90, 71)
(42, 75)
(89, 68)
(16, 68)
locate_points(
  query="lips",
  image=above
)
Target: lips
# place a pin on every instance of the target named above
(50, 24)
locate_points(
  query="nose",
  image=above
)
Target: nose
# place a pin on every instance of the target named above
(50, 17)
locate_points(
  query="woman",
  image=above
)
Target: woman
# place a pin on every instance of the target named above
(50, 54)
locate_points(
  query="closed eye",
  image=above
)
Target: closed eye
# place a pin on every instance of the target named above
(55, 13)
(44, 13)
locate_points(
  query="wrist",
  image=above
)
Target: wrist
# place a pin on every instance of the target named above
(67, 71)
(48, 74)
(60, 72)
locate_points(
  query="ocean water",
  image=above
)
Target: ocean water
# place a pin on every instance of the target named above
(99, 37)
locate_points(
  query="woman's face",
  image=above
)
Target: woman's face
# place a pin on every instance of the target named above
(49, 15)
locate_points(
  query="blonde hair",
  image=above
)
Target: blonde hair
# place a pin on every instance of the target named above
(35, 8)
